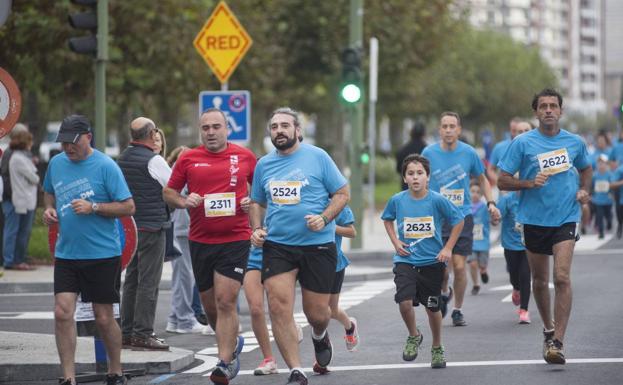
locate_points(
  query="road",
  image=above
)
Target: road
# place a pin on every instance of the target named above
(493, 349)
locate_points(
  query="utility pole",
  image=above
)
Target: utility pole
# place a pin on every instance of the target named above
(100, 75)
(356, 122)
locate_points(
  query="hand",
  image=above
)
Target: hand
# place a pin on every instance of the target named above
(401, 248)
(540, 179)
(193, 200)
(50, 216)
(82, 206)
(494, 214)
(583, 196)
(444, 255)
(245, 203)
(315, 222)
(258, 237)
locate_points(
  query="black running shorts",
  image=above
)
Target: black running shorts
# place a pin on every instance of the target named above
(541, 239)
(338, 281)
(228, 259)
(96, 280)
(316, 264)
(420, 284)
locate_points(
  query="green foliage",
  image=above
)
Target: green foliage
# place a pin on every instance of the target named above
(38, 244)
(383, 192)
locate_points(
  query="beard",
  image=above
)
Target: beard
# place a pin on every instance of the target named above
(283, 146)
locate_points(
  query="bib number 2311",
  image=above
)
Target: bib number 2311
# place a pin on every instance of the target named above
(220, 205)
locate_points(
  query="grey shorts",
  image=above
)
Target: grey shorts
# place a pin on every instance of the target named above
(481, 256)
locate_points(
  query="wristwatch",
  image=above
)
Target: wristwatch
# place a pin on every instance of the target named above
(490, 203)
(95, 207)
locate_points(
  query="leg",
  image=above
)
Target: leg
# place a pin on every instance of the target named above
(23, 236)
(337, 313)
(434, 321)
(563, 255)
(111, 335)
(254, 292)
(473, 271)
(280, 290)
(599, 218)
(182, 286)
(128, 299)
(408, 316)
(512, 265)
(65, 331)
(524, 281)
(460, 279)
(150, 262)
(226, 297)
(316, 309)
(209, 306)
(539, 267)
(11, 227)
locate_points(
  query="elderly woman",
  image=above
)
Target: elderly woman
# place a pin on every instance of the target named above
(24, 183)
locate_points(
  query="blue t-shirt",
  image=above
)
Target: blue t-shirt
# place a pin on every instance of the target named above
(498, 151)
(255, 258)
(293, 186)
(96, 179)
(618, 175)
(421, 219)
(594, 156)
(450, 172)
(481, 227)
(601, 188)
(511, 237)
(345, 218)
(616, 153)
(555, 202)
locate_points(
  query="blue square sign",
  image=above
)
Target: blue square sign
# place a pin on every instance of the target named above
(237, 108)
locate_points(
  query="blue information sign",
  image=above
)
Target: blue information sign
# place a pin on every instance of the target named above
(237, 108)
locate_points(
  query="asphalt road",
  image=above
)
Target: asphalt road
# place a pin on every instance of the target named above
(493, 349)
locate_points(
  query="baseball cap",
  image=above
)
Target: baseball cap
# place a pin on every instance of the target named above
(603, 157)
(72, 127)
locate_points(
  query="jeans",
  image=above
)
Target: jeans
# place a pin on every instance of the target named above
(182, 284)
(140, 289)
(17, 228)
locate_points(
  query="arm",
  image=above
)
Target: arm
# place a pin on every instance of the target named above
(317, 222)
(399, 245)
(49, 213)
(346, 231)
(507, 182)
(586, 180)
(446, 253)
(494, 213)
(256, 219)
(105, 209)
(176, 200)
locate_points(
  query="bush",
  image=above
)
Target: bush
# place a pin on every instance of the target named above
(38, 244)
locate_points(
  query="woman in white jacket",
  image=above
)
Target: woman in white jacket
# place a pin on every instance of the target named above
(24, 184)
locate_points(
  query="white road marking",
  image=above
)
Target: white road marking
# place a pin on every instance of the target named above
(27, 315)
(208, 363)
(509, 298)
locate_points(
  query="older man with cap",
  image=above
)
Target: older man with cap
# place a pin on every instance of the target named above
(146, 173)
(84, 193)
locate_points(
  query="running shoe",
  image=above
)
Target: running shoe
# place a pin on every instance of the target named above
(554, 353)
(65, 382)
(524, 316)
(196, 328)
(445, 299)
(323, 350)
(457, 318)
(223, 373)
(320, 369)
(268, 366)
(297, 378)
(208, 331)
(115, 379)
(484, 277)
(352, 340)
(515, 297)
(411, 347)
(438, 358)
(548, 336)
(171, 327)
(475, 290)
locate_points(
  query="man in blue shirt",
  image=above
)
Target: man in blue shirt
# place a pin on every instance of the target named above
(84, 192)
(301, 191)
(452, 163)
(549, 208)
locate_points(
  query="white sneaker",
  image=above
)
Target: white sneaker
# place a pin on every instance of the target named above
(171, 327)
(195, 329)
(299, 332)
(208, 331)
(268, 366)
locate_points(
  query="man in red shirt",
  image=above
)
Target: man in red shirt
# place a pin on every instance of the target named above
(217, 175)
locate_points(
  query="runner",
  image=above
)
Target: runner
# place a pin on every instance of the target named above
(344, 227)
(479, 258)
(600, 197)
(548, 209)
(421, 255)
(301, 190)
(217, 175)
(452, 163)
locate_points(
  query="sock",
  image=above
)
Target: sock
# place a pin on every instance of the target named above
(456, 308)
(300, 370)
(351, 330)
(548, 331)
(446, 293)
(314, 336)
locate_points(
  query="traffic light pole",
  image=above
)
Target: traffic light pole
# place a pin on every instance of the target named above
(356, 124)
(100, 75)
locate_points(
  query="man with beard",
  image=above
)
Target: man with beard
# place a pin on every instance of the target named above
(217, 175)
(301, 191)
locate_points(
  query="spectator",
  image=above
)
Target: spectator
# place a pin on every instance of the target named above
(414, 146)
(160, 143)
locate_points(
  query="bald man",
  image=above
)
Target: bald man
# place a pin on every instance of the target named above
(146, 174)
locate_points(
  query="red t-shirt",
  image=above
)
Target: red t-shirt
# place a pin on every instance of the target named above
(221, 175)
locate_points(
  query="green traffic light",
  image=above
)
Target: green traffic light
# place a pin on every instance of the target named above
(622, 107)
(351, 93)
(365, 158)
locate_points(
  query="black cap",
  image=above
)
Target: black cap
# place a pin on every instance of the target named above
(72, 127)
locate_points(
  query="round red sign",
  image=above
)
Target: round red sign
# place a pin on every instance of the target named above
(10, 103)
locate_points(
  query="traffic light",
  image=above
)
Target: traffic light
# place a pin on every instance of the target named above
(350, 91)
(365, 155)
(85, 45)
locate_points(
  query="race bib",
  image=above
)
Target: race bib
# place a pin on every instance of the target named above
(285, 193)
(479, 232)
(602, 186)
(453, 195)
(220, 205)
(418, 227)
(554, 162)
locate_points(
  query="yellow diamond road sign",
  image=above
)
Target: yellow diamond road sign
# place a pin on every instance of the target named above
(222, 42)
